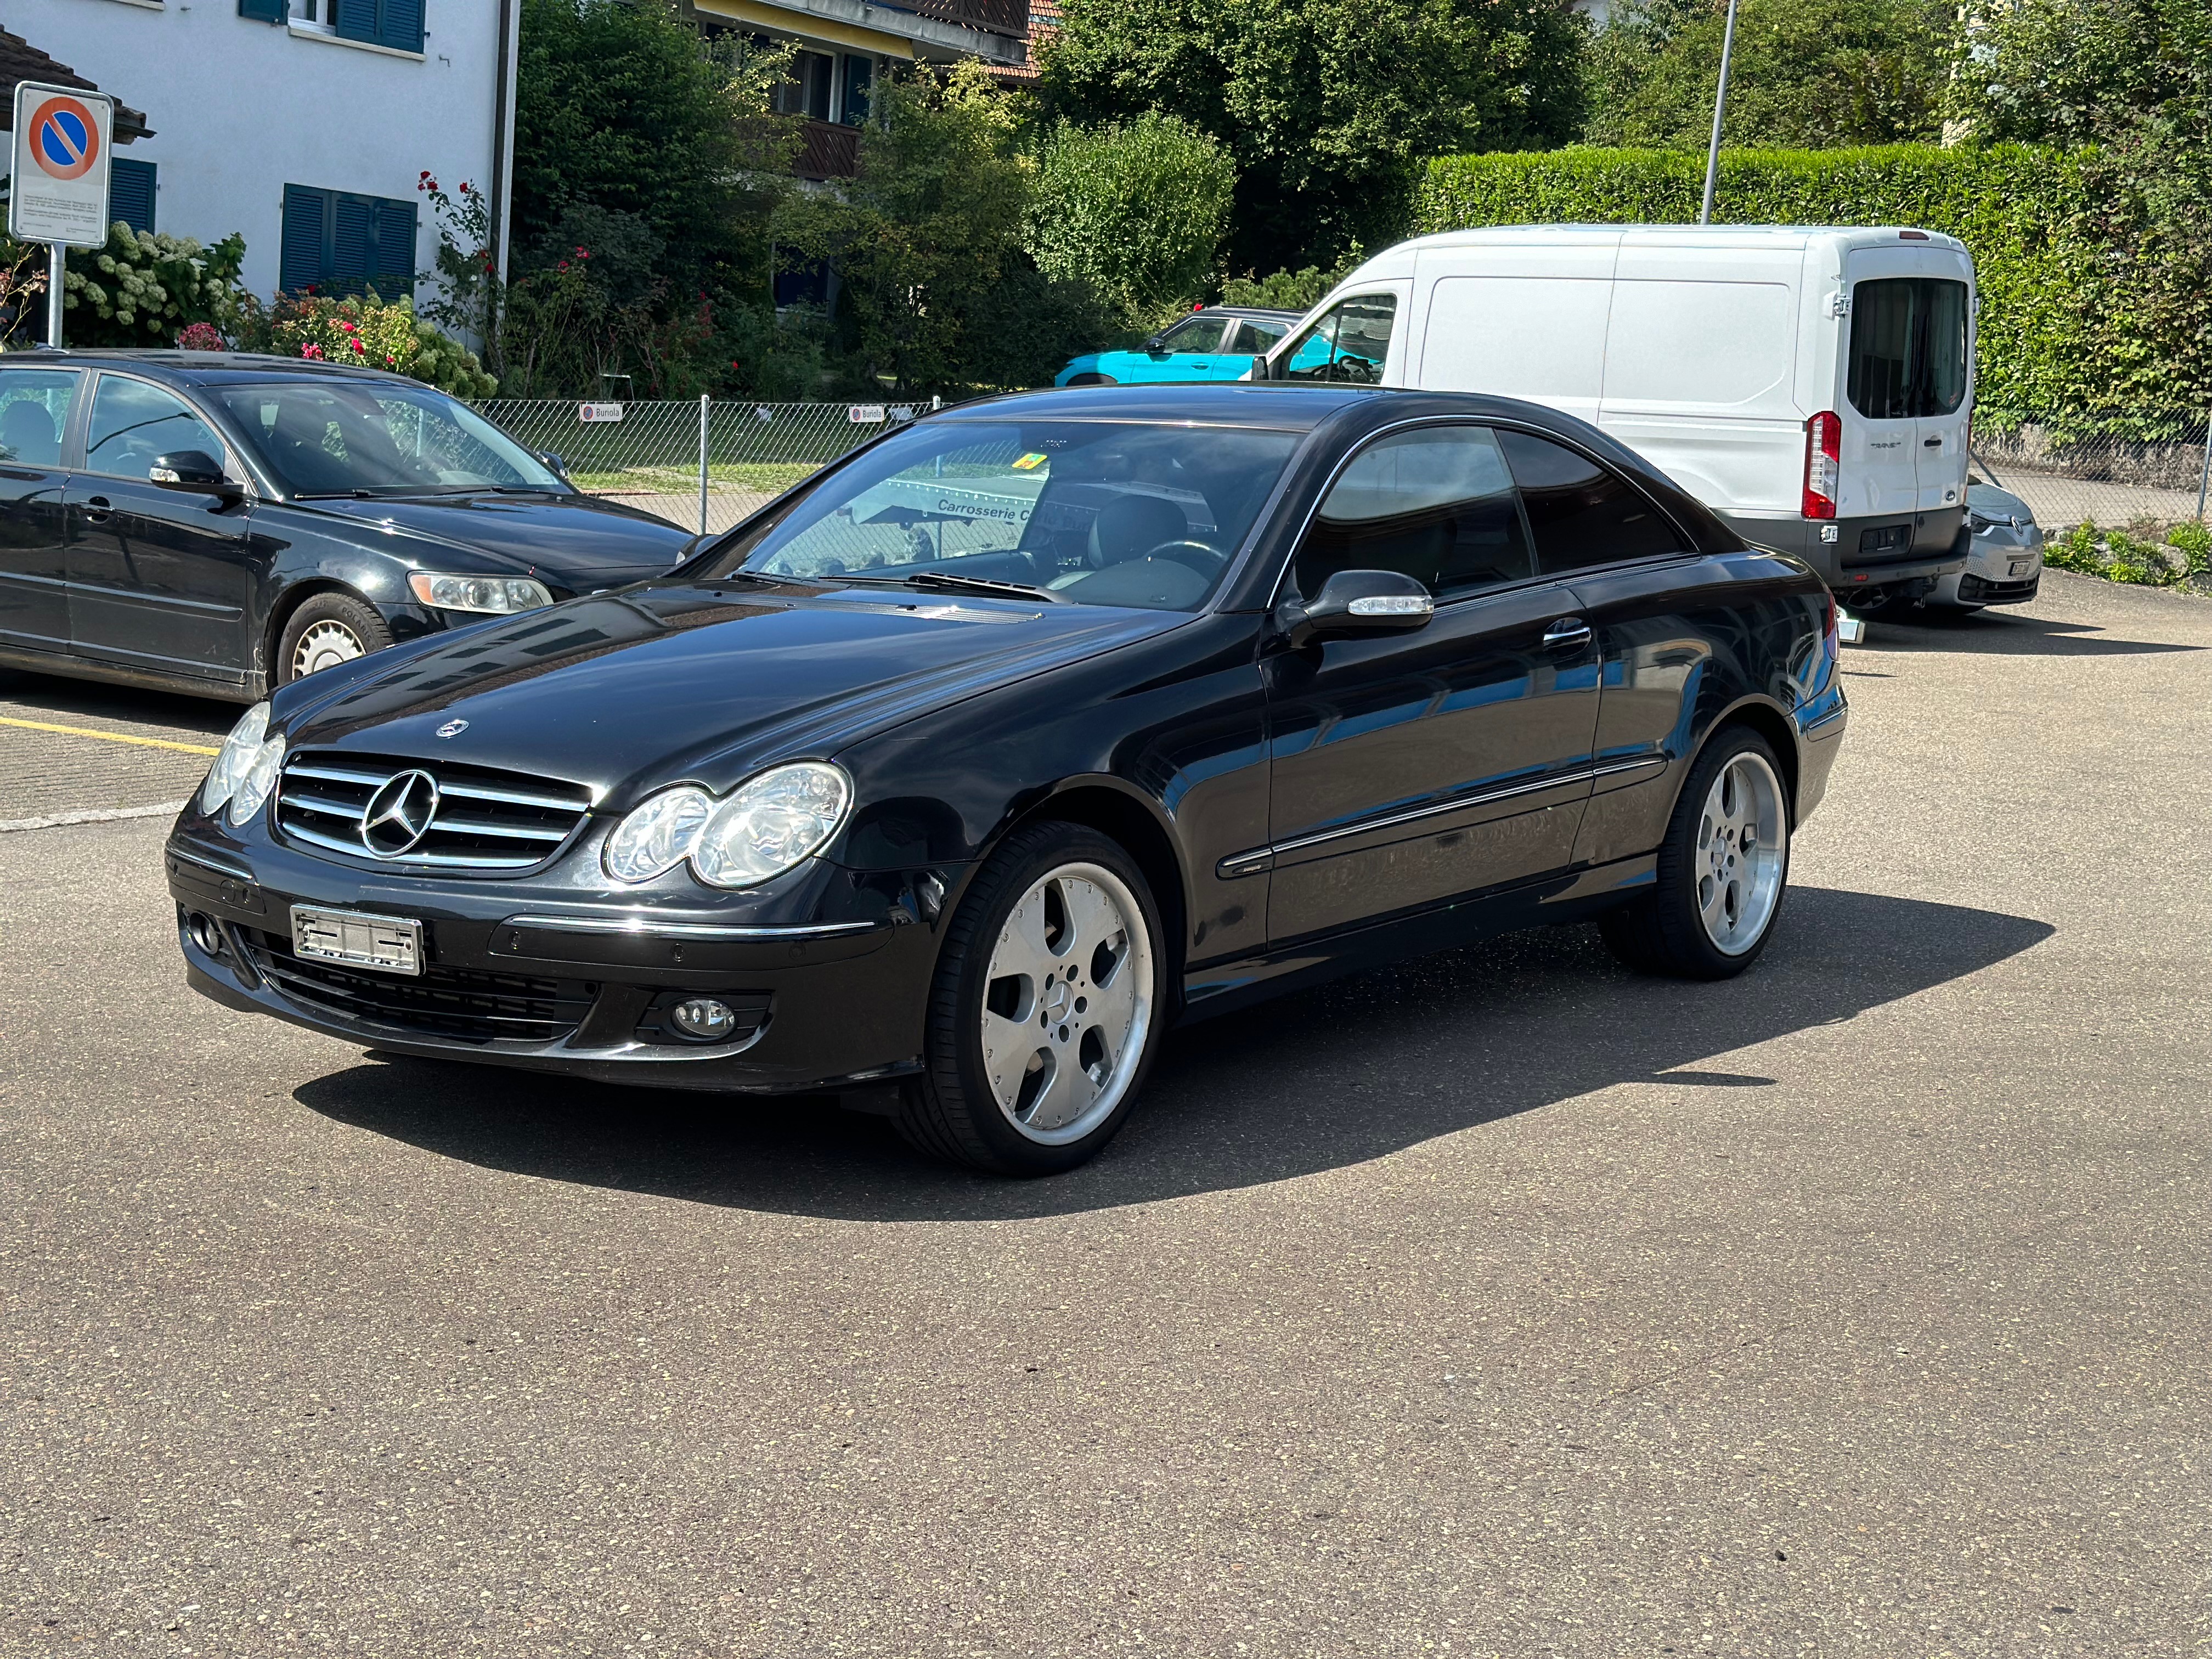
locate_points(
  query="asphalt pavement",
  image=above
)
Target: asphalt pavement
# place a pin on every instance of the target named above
(1499, 1304)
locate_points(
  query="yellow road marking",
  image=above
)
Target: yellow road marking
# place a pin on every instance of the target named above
(112, 737)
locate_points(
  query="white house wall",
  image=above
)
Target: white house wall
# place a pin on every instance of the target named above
(241, 108)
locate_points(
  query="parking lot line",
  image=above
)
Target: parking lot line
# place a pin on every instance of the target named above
(112, 737)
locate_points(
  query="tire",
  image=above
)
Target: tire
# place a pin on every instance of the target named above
(327, 629)
(1719, 896)
(1040, 1027)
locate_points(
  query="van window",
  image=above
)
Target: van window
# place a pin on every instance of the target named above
(1435, 503)
(1908, 348)
(1581, 514)
(1350, 342)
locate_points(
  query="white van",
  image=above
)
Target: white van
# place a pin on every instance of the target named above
(1811, 384)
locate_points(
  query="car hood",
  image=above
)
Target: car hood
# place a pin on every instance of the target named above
(577, 542)
(663, 682)
(1992, 502)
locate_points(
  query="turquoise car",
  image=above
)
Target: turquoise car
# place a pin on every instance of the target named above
(1217, 343)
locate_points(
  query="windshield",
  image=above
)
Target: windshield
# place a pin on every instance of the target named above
(378, 437)
(1099, 512)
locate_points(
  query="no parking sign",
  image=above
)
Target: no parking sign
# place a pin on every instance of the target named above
(57, 188)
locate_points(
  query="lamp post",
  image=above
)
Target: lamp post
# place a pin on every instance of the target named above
(1720, 105)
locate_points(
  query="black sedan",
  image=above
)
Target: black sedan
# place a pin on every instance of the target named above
(961, 772)
(223, 524)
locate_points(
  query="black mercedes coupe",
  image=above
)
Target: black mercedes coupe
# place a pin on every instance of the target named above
(961, 771)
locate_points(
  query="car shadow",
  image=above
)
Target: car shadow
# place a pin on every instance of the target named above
(1367, 1066)
(1995, 632)
(52, 694)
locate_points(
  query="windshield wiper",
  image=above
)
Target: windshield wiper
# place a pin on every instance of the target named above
(946, 581)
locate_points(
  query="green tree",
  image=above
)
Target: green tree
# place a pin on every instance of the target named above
(936, 292)
(1326, 107)
(1136, 210)
(1804, 74)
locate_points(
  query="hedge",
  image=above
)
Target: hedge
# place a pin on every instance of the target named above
(2057, 347)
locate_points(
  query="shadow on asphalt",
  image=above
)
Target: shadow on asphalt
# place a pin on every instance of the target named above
(1999, 632)
(1349, 1071)
(52, 695)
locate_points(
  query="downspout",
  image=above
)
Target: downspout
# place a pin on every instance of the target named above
(502, 159)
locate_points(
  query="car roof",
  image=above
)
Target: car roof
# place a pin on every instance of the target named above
(1262, 312)
(1232, 402)
(202, 368)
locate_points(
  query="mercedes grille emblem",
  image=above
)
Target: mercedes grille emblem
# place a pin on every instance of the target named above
(399, 815)
(453, 728)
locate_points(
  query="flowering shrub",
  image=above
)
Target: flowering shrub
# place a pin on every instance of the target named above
(140, 288)
(201, 336)
(368, 331)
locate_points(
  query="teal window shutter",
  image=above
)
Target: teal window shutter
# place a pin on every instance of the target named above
(353, 246)
(305, 260)
(358, 20)
(130, 193)
(262, 11)
(393, 271)
(394, 23)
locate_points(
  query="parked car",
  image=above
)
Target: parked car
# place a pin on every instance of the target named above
(2006, 566)
(1812, 385)
(1217, 343)
(223, 524)
(1194, 696)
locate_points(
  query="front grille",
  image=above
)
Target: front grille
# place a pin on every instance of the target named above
(455, 1003)
(478, 818)
(1974, 589)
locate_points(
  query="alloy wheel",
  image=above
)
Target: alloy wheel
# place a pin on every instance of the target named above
(325, 645)
(1067, 1004)
(1742, 854)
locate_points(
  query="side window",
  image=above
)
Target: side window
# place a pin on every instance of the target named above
(1349, 342)
(1256, 335)
(1581, 514)
(133, 422)
(1436, 504)
(34, 411)
(1198, 334)
(1908, 356)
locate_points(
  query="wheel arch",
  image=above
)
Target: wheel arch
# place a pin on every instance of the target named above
(1769, 722)
(1133, 822)
(287, 603)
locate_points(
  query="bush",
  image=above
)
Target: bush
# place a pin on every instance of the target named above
(368, 331)
(2063, 341)
(2149, 559)
(1287, 290)
(1137, 210)
(140, 288)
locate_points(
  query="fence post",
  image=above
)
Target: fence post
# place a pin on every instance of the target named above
(2204, 476)
(702, 462)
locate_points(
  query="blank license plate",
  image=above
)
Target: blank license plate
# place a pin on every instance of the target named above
(386, 945)
(2021, 567)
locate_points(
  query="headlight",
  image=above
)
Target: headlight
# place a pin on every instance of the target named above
(659, 835)
(236, 756)
(260, 777)
(768, 825)
(497, 596)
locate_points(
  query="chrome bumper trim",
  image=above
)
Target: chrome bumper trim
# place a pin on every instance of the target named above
(646, 925)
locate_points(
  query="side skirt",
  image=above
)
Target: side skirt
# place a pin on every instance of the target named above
(1569, 896)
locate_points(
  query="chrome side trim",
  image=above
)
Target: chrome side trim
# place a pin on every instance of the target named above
(207, 863)
(646, 925)
(1260, 858)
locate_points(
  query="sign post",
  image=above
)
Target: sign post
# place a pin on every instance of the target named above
(58, 177)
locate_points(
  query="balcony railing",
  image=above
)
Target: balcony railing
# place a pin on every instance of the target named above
(827, 150)
(1007, 17)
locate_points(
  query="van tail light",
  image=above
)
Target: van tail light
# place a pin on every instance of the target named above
(1824, 457)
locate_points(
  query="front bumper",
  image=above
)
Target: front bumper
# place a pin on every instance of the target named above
(829, 972)
(2006, 567)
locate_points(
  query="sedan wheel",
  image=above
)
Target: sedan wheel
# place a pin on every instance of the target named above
(1721, 872)
(1067, 1004)
(1048, 1001)
(325, 645)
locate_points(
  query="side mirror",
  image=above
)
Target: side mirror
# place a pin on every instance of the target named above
(1357, 602)
(194, 470)
(1155, 347)
(558, 463)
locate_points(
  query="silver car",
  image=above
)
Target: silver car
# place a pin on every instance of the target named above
(2007, 562)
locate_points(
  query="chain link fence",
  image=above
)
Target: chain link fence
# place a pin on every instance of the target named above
(703, 466)
(2112, 483)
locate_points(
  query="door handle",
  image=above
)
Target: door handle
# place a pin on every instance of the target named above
(96, 508)
(1931, 443)
(1566, 632)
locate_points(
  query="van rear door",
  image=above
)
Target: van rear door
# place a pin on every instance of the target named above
(1908, 377)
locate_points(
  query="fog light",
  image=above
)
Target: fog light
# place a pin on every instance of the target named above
(703, 1018)
(204, 934)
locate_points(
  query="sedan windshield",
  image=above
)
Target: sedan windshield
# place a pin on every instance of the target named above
(1099, 512)
(379, 438)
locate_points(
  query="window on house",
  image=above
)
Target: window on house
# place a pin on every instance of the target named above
(335, 242)
(130, 193)
(807, 91)
(859, 81)
(394, 23)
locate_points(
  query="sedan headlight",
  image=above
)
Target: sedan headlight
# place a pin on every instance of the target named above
(497, 596)
(236, 758)
(763, 828)
(260, 777)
